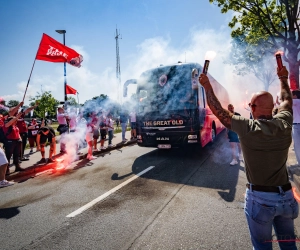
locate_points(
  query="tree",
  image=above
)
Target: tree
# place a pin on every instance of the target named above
(72, 101)
(252, 59)
(264, 22)
(12, 103)
(46, 103)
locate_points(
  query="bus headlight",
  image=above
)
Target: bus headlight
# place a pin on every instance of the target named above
(192, 136)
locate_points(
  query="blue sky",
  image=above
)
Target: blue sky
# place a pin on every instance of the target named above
(153, 32)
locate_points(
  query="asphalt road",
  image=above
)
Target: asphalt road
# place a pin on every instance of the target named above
(189, 199)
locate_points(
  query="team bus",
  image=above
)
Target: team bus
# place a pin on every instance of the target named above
(172, 109)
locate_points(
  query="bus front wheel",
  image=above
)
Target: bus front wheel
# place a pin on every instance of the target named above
(213, 134)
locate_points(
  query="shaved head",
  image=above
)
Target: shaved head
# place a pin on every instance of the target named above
(263, 103)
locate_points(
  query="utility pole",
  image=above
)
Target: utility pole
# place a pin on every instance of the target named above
(118, 70)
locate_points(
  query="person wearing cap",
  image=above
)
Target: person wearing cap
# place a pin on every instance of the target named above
(46, 133)
(33, 129)
(13, 143)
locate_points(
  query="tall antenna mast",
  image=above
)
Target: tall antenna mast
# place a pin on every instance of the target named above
(118, 70)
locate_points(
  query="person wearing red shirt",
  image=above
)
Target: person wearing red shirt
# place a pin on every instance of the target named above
(23, 130)
(13, 143)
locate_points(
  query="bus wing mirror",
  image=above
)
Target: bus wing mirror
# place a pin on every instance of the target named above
(131, 81)
(195, 75)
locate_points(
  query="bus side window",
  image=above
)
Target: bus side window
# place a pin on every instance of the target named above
(202, 98)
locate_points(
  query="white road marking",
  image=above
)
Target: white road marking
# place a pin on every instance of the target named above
(103, 196)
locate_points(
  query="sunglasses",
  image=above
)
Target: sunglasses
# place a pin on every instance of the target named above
(252, 105)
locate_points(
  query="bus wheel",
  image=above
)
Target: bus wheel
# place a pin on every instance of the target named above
(213, 134)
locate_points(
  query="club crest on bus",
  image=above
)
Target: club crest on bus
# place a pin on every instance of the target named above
(162, 80)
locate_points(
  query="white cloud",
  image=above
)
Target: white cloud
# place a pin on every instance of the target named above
(149, 54)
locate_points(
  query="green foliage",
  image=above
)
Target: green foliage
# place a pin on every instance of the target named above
(12, 103)
(72, 101)
(253, 59)
(269, 23)
(46, 103)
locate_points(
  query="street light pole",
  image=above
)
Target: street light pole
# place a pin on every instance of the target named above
(65, 70)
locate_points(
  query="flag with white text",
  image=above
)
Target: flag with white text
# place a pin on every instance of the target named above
(53, 51)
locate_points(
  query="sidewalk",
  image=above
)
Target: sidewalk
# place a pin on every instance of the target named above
(293, 168)
(32, 167)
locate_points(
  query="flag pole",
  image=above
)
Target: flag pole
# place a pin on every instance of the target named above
(28, 80)
(31, 70)
(78, 98)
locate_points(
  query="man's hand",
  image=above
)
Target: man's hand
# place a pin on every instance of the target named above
(282, 73)
(285, 93)
(204, 81)
(222, 114)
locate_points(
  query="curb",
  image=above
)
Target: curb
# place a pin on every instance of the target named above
(294, 172)
(33, 170)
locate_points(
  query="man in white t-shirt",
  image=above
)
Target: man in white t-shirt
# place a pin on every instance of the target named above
(133, 124)
(296, 123)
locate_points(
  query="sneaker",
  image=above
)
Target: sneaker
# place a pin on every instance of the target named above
(124, 140)
(103, 147)
(6, 183)
(43, 160)
(241, 158)
(51, 160)
(31, 151)
(233, 162)
(25, 159)
(111, 145)
(92, 158)
(95, 150)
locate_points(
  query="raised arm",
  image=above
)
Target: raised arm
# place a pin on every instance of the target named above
(29, 109)
(14, 110)
(13, 120)
(222, 114)
(285, 92)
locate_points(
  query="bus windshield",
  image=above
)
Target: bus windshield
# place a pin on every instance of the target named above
(165, 89)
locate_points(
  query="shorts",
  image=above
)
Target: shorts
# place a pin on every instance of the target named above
(44, 138)
(3, 159)
(103, 134)
(96, 134)
(233, 137)
(133, 125)
(89, 136)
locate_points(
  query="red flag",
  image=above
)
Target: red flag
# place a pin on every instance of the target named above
(70, 90)
(53, 51)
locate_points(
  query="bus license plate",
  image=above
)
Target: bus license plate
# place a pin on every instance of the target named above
(164, 145)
